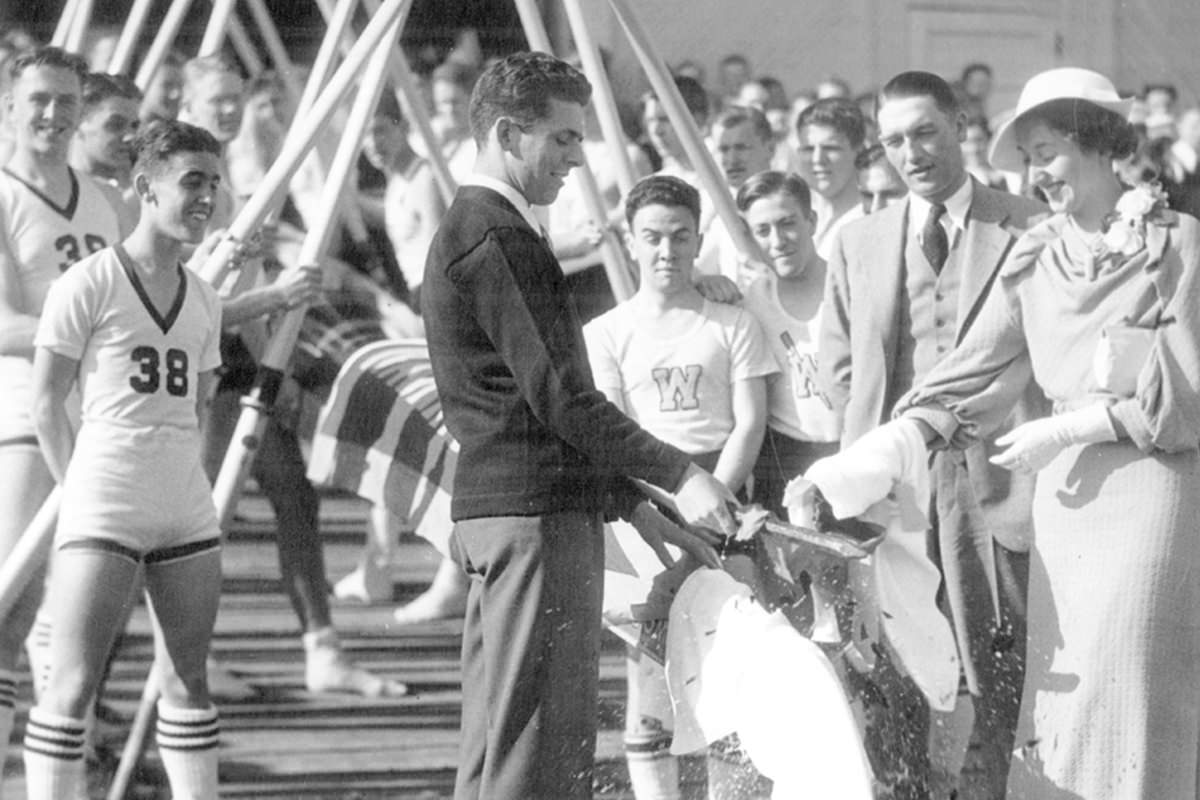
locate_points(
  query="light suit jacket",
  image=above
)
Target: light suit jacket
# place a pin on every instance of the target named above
(859, 337)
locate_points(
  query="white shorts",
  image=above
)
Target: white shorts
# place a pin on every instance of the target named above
(142, 488)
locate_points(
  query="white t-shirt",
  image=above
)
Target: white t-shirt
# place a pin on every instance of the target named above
(796, 407)
(138, 365)
(409, 234)
(44, 240)
(679, 387)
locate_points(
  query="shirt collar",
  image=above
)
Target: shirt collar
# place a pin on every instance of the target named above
(957, 206)
(509, 193)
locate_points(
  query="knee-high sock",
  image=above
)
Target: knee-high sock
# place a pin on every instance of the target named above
(54, 765)
(653, 771)
(187, 744)
(8, 701)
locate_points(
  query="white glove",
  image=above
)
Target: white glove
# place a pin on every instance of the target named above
(1035, 444)
(866, 471)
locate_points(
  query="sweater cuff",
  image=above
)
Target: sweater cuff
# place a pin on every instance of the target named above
(942, 421)
(621, 500)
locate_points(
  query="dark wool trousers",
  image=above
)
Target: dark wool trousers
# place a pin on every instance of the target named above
(531, 648)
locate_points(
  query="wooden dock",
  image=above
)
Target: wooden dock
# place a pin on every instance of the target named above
(286, 743)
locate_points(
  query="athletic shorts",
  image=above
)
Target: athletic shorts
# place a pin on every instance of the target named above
(142, 488)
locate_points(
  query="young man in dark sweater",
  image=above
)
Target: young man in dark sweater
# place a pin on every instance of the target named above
(543, 454)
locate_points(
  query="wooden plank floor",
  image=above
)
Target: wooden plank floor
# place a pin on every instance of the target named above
(286, 743)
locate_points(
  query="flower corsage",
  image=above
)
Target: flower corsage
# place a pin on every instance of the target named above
(1125, 226)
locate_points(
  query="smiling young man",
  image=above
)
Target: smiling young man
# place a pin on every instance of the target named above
(138, 334)
(103, 146)
(542, 451)
(742, 144)
(903, 286)
(829, 134)
(51, 216)
(692, 372)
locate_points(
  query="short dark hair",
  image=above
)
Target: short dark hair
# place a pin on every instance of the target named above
(771, 183)
(1094, 129)
(662, 190)
(733, 116)
(48, 57)
(521, 86)
(869, 156)
(973, 67)
(839, 113)
(694, 97)
(776, 96)
(100, 86)
(161, 139)
(916, 83)
(1169, 88)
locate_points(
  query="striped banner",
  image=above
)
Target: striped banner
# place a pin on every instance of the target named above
(381, 435)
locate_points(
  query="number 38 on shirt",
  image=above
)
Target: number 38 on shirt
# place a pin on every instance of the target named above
(168, 370)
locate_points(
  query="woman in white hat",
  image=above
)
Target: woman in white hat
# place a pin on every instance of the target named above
(1100, 305)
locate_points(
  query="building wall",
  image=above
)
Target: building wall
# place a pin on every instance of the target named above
(867, 41)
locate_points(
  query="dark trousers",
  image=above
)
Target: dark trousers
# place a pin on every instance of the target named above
(780, 459)
(531, 649)
(991, 641)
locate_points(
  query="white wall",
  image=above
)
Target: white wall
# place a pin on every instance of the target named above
(867, 41)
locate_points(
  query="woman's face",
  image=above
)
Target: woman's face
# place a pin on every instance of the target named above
(1066, 175)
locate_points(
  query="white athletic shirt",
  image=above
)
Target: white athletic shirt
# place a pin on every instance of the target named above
(796, 407)
(680, 388)
(44, 239)
(137, 366)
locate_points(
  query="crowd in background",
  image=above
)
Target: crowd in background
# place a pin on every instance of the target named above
(754, 125)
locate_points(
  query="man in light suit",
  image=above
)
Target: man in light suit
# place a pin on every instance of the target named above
(903, 287)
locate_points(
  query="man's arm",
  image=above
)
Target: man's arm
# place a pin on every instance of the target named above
(745, 440)
(17, 328)
(506, 282)
(293, 287)
(53, 376)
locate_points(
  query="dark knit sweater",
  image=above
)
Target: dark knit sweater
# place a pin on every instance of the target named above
(508, 355)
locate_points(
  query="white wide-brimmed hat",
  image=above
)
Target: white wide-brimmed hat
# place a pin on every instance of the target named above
(1053, 84)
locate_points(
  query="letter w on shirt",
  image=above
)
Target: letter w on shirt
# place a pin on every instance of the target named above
(677, 388)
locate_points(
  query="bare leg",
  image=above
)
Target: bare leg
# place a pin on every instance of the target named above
(25, 487)
(371, 580)
(184, 595)
(445, 598)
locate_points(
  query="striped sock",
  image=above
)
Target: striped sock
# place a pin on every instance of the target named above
(653, 771)
(8, 701)
(53, 756)
(37, 648)
(187, 744)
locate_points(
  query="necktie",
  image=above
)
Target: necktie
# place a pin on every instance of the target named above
(934, 243)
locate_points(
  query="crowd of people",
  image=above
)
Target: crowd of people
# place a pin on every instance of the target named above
(974, 329)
